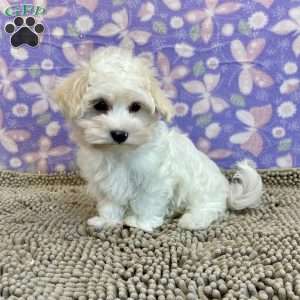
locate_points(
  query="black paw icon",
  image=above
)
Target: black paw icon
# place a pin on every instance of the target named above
(24, 32)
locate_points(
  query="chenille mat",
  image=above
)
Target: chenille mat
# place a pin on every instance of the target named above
(48, 252)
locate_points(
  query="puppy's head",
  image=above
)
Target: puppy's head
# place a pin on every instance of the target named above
(116, 99)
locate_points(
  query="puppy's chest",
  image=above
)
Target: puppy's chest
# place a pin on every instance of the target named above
(120, 177)
(121, 180)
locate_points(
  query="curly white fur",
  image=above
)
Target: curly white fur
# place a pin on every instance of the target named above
(157, 171)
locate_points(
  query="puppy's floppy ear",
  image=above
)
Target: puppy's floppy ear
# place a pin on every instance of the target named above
(163, 104)
(68, 94)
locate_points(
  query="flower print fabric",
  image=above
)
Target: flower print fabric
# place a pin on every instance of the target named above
(230, 67)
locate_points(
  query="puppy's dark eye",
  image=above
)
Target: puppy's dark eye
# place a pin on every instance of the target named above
(101, 105)
(134, 107)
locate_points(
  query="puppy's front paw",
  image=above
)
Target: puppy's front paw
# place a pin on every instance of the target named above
(100, 222)
(132, 221)
(187, 221)
(97, 222)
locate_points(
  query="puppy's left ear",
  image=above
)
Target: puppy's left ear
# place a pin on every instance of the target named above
(163, 104)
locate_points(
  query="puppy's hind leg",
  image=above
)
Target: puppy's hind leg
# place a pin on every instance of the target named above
(200, 214)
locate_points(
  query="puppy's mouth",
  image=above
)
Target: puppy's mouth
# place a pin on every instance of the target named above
(114, 137)
(121, 140)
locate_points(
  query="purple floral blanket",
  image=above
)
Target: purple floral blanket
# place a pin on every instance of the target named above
(230, 67)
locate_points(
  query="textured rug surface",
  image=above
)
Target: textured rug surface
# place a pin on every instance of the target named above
(48, 252)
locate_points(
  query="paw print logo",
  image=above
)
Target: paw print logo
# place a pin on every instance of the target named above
(24, 32)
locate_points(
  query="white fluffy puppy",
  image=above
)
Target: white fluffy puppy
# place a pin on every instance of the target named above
(138, 170)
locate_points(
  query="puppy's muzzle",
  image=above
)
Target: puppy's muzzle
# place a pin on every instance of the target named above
(119, 136)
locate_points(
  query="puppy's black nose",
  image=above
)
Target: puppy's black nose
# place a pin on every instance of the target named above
(119, 136)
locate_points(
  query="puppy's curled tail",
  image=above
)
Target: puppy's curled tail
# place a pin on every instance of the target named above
(246, 188)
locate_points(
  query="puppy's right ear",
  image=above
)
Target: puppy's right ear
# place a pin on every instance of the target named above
(68, 94)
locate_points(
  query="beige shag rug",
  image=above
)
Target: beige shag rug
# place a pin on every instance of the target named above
(48, 252)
